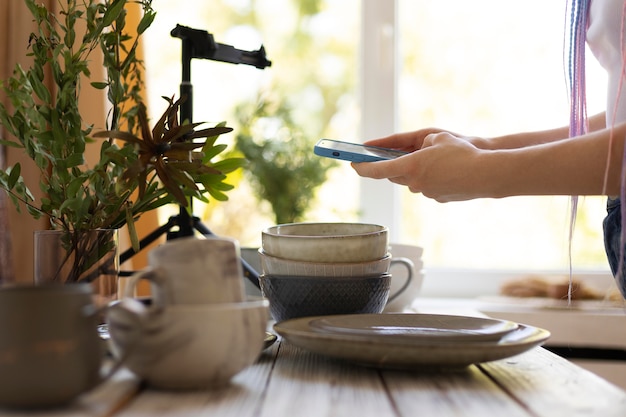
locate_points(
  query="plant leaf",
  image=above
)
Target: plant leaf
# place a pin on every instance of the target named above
(14, 176)
(99, 85)
(112, 12)
(132, 230)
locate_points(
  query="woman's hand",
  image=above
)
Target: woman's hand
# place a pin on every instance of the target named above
(441, 165)
(412, 141)
(446, 167)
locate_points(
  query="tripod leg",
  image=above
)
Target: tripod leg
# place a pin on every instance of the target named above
(250, 273)
(128, 253)
(201, 227)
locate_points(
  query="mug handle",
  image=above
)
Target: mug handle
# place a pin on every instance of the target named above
(134, 318)
(156, 275)
(410, 268)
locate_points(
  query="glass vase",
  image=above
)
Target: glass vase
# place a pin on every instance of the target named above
(70, 257)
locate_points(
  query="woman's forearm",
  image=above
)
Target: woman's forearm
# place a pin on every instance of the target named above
(520, 140)
(573, 166)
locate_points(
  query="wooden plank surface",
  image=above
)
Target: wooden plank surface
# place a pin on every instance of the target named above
(551, 386)
(304, 384)
(298, 384)
(287, 381)
(465, 393)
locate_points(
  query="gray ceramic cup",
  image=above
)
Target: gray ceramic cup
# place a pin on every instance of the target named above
(50, 350)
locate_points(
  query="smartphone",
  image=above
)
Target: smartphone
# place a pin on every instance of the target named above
(354, 152)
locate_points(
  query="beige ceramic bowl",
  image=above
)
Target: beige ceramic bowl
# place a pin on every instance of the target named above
(326, 242)
(272, 265)
(192, 346)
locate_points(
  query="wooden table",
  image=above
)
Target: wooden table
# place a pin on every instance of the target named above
(289, 382)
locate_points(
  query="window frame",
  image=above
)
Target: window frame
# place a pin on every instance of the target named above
(379, 200)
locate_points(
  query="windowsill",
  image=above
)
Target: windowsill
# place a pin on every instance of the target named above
(464, 283)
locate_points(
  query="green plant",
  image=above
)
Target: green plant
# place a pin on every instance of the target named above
(282, 168)
(46, 123)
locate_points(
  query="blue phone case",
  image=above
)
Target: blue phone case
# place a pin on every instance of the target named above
(354, 152)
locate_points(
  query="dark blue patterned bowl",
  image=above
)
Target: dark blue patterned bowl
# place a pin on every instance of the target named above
(295, 296)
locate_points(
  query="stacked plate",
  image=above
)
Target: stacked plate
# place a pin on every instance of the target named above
(411, 340)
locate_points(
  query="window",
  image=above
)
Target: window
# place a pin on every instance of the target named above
(479, 67)
(485, 68)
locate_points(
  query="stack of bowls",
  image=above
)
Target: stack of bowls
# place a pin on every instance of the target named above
(311, 269)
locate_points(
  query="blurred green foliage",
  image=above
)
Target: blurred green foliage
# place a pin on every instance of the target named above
(310, 86)
(282, 167)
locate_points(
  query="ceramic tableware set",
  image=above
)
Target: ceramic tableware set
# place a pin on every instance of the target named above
(411, 341)
(311, 269)
(200, 330)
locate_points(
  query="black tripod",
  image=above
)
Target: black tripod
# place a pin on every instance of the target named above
(199, 44)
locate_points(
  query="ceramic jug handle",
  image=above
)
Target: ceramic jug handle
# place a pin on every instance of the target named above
(159, 291)
(135, 314)
(410, 267)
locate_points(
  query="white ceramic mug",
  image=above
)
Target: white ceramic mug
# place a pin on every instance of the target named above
(410, 293)
(193, 271)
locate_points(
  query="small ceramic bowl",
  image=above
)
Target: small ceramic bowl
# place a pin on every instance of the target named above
(326, 242)
(187, 346)
(293, 296)
(272, 265)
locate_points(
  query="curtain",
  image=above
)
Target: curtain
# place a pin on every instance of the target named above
(6, 263)
(16, 229)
